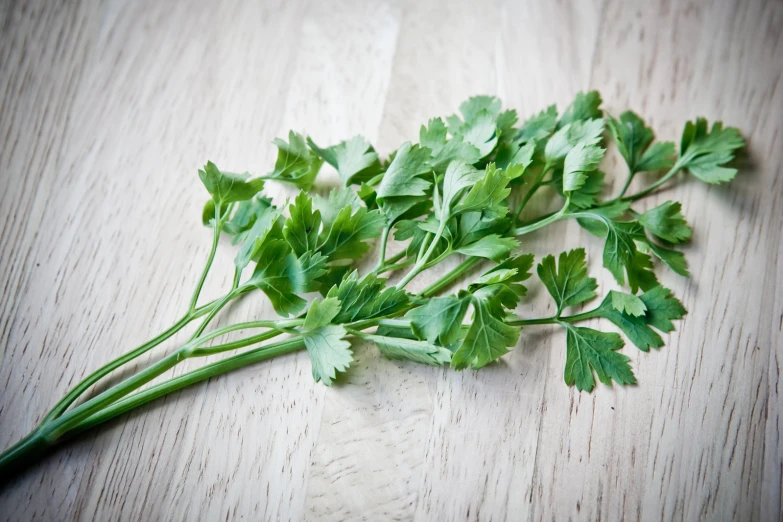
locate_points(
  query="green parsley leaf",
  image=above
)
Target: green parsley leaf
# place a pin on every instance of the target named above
(459, 176)
(704, 153)
(586, 106)
(480, 132)
(567, 281)
(632, 137)
(587, 195)
(295, 163)
(667, 222)
(321, 313)
(345, 239)
(473, 108)
(487, 194)
(303, 225)
(355, 160)
(502, 283)
(227, 187)
(627, 303)
(397, 348)
(472, 226)
(332, 276)
(439, 319)
(620, 249)
(579, 161)
(590, 350)
(334, 203)
(634, 327)
(366, 298)
(245, 214)
(491, 247)
(433, 135)
(588, 132)
(254, 238)
(494, 277)
(329, 352)
(515, 159)
(538, 127)
(312, 269)
(505, 121)
(403, 177)
(595, 224)
(487, 339)
(640, 272)
(279, 276)
(673, 259)
(659, 156)
(662, 308)
(444, 151)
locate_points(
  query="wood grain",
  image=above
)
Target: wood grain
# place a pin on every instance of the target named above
(109, 107)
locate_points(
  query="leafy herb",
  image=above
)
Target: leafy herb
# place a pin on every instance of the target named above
(461, 190)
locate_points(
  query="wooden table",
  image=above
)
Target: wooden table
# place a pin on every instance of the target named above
(108, 108)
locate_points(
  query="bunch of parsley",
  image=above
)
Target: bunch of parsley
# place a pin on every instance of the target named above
(460, 191)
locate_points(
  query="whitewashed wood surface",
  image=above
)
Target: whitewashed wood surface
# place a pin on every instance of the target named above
(108, 108)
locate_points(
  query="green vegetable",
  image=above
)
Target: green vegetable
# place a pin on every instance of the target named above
(460, 191)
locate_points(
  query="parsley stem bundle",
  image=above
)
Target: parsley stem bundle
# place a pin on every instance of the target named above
(462, 190)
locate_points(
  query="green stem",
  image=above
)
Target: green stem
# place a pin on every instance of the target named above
(217, 225)
(590, 314)
(219, 306)
(52, 431)
(241, 343)
(109, 367)
(382, 254)
(544, 221)
(527, 322)
(422, 260)
(446, 253)
(393, 322)
(452, 276)
(396, 266)
(192, 377)
(672, 172)
(626, 185)
(390, 262)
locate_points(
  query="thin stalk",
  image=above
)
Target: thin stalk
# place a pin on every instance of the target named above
(544, 221)
(52, 431)
(626, 185)
(241, 343)
(674, 170)
(186, 379)
(61, 424)
(390, 262)
(109, 367)
(422, 260)
(394, 322)
(217, 226)
(452, 276)
(438, 259)
(219, 306)
(396, 266)
(527, 322)
(382, 254)
(590, 314)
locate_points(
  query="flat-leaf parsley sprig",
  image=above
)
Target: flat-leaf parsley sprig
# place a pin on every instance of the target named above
(461, 190)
